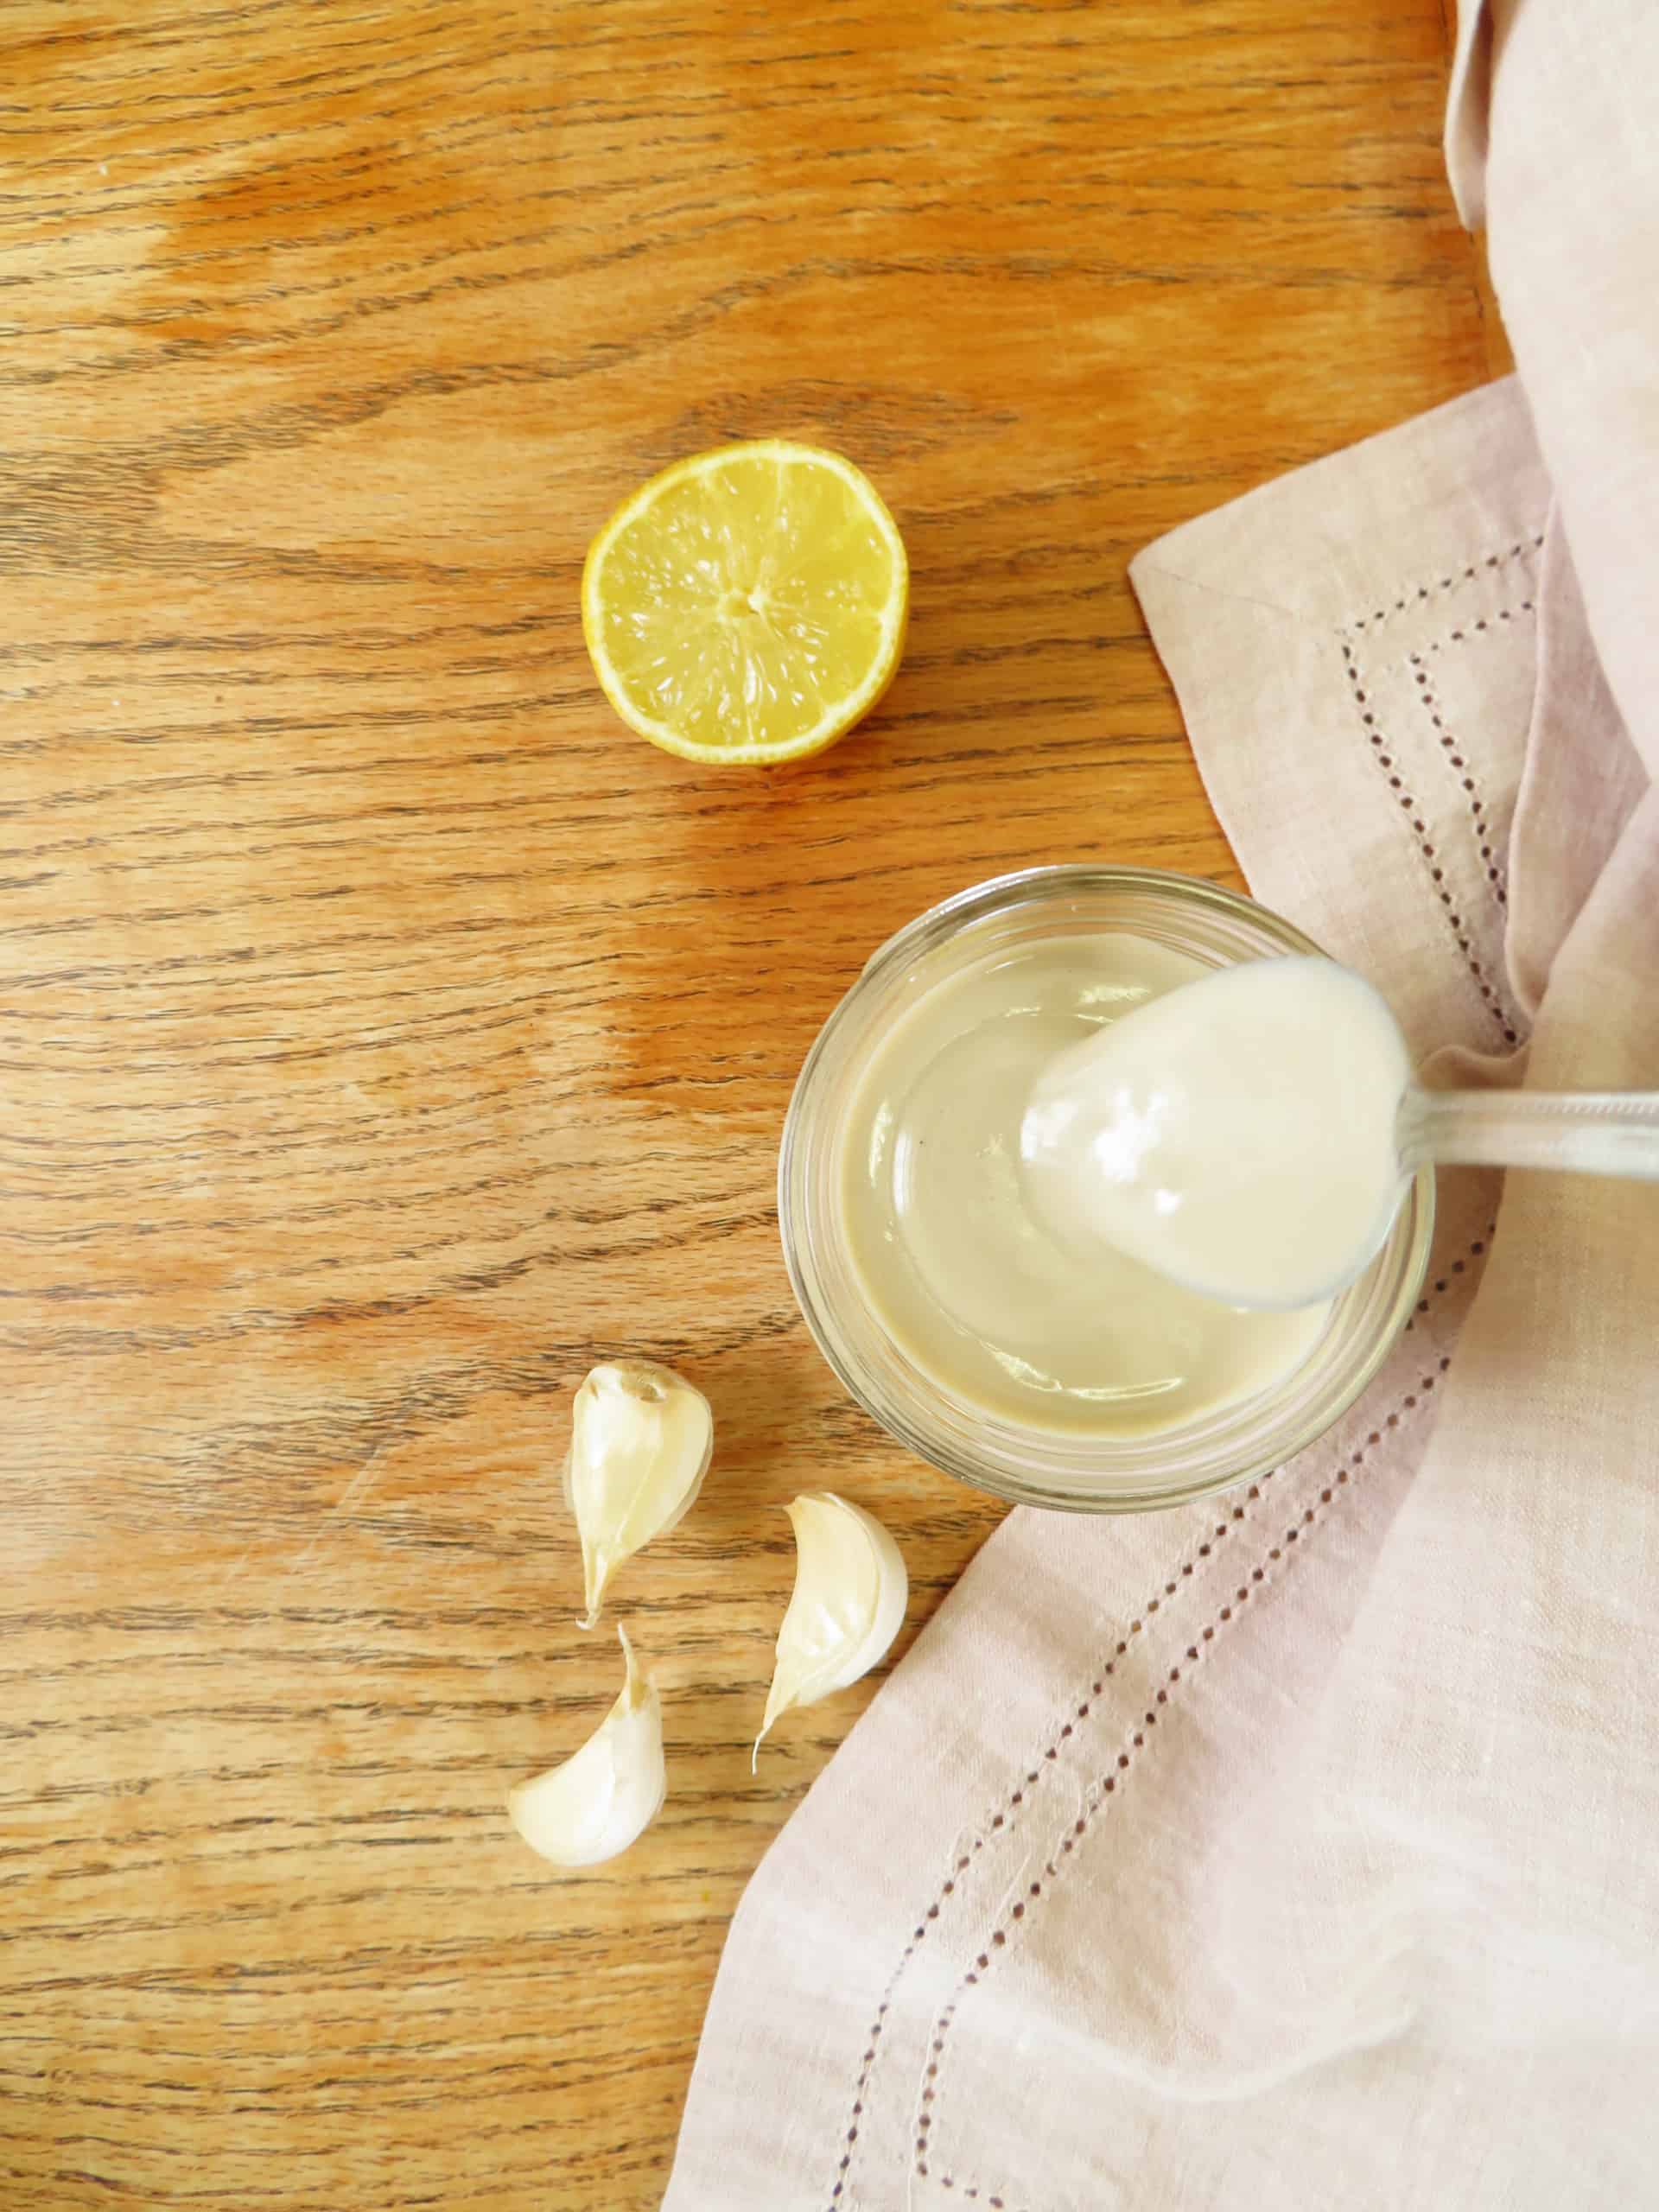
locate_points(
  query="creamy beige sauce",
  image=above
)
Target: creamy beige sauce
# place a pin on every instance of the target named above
(961, 1271)
(1238, 1134)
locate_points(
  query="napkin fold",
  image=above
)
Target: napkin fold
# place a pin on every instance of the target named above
(1296, 1848)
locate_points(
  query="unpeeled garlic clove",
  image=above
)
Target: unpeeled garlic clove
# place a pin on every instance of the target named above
(639, 1447)
(847, 1605)
(606, 1793)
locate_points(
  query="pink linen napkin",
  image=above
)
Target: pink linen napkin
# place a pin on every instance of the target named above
(1298, 1849)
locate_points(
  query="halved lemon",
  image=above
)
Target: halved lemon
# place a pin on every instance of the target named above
(747, 604)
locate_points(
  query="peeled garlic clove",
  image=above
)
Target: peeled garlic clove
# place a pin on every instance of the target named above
(847, 1606)
(606, 1793)
(640, 1449)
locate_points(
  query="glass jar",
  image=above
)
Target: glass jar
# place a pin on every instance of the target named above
(1104, 1474)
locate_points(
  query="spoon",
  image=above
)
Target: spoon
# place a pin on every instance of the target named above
(1251, 1134)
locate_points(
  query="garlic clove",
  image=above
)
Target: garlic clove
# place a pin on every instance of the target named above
(608, 1793)
(641, 1445)
(847, 1606)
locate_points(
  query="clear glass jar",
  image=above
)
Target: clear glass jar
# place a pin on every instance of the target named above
(1038, 1467)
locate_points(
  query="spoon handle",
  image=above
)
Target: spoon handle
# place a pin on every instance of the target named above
(1593, 1132)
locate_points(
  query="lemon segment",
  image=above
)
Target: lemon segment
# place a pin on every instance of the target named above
(747, 604)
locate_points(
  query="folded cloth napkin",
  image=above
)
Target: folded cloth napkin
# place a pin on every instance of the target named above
(1298, 1848)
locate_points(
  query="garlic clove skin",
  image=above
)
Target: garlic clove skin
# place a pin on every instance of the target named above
(847, 1606)
(608, 1794)
(640, 1443)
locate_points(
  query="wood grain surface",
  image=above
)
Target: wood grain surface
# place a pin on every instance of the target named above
(386, 1034)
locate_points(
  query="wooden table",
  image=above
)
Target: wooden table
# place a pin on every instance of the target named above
(388, 1034)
